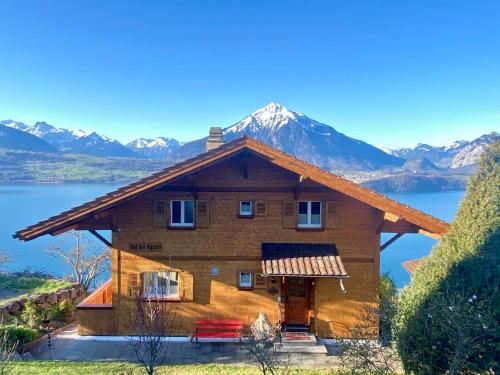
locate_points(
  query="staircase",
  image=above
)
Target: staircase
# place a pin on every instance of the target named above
(296, 338)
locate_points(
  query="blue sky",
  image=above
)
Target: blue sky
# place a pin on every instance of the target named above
(393, 73)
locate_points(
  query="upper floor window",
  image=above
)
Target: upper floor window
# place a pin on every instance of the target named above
(182, 213)
(246, 208)
(161, 285)
(309, 214)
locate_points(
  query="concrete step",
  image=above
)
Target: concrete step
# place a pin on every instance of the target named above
(309, 341)
(305, 349)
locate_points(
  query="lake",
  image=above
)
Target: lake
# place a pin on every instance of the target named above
(22, 205)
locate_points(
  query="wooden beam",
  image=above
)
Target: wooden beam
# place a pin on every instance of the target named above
(99, 237)
(436, 236)
(391, 217)
(64, 230)
(297, 189)
(194, 188)
(244, 166)
(390, 241)
(103, 214)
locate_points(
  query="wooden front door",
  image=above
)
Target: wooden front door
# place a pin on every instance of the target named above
(297, 291)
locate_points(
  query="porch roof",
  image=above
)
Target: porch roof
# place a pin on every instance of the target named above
(303, 260)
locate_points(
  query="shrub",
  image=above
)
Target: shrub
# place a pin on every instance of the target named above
(30, 314)
(447, 321)
(18, 334)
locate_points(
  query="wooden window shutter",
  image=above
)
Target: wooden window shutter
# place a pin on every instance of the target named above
(289, 214)
(134, 284)
(187, 286)
(260, 208)
(331, 215)
(160, 213)
(202, 213)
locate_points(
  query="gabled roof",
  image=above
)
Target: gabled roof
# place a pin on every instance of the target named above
(398, 210)
(411, 265)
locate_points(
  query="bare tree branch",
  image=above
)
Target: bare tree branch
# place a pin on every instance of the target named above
(86, 260)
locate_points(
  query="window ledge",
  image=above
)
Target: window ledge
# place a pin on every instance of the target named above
(181, 227)
(313, 229)
(145, 299)
(245, 216)
(243, 288)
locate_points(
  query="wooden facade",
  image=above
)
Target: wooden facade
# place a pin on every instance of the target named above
(209, 257)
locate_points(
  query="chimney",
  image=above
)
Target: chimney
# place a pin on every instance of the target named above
(214, 138)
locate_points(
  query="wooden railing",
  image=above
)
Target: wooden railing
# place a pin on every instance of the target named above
(101, 298)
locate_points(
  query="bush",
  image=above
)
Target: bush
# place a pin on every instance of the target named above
(18, 334)
(30, 315)
(447, 321)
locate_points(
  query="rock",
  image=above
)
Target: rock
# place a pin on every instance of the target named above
(73, 293)
(62, 295)
(40, 299)
(51, 299)
(13, 308)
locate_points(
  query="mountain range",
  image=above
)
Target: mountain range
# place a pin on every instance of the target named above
(274, 124)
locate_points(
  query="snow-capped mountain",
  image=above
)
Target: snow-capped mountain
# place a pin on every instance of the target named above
(159, 148)
(12, 138)
(469, 153)
(303, 137)
(459, 154)
(14, 124)
(74, 141)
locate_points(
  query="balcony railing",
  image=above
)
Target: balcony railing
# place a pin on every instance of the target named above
(101, 298)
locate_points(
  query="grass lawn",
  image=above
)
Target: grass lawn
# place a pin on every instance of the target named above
(19, 285)
(95, 368)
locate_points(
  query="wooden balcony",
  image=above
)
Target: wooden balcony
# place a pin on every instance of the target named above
(101, 298)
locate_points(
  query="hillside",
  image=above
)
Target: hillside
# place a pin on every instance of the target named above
(13, 139)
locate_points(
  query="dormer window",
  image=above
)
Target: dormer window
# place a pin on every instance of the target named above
(246, 209)
(181, 213)
(309, 214)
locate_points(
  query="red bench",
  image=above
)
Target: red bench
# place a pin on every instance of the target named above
(218, 329)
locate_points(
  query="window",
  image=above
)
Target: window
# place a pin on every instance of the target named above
(245, 280)
(182, 213)
(309, 214)
(161, 285)
(246, 208)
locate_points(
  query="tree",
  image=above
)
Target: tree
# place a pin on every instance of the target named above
(151, 320)
(87, 260)
(447, 321)
(4, 258)
(264, 352)
(7, 350)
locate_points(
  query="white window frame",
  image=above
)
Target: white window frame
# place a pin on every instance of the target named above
(309, 215)
(156, 293)
(246, 214)
(182, 223)
(245, 285)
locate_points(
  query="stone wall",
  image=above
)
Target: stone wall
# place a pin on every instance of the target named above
(74, 292)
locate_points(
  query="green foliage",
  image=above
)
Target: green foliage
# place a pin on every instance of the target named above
(18, 334)
(27, 283)
(64, 310)
(30, 314)
(387, 308)
(448, 318)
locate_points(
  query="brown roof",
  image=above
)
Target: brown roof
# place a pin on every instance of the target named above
(306, 260)
(411, 265)
(274, 156)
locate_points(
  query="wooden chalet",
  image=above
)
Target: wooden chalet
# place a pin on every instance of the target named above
(240, 229)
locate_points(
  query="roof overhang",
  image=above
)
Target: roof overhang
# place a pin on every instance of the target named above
(89, 215)
(302, 260)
